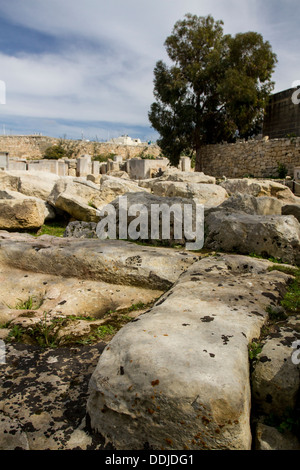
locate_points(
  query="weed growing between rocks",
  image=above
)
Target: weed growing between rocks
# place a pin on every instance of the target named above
(32, 303)
(54, 332)
(291, 300)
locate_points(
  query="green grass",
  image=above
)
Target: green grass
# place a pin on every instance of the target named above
(54, 229)
(44, 333)
(30, 304)
(269, 258)
(291, 299)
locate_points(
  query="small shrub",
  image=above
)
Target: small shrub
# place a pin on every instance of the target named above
(55, 152)
(282, 170)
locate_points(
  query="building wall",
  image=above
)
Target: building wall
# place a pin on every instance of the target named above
(282, 116)
(258, 158)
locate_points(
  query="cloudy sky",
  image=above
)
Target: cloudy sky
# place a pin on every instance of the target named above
(85, 68)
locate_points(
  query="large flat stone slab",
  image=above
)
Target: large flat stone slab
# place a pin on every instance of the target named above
(110, 261)
(177, 377)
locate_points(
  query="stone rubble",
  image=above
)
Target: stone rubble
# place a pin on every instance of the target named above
(177, 375)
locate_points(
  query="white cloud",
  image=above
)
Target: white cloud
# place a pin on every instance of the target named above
(103, 70)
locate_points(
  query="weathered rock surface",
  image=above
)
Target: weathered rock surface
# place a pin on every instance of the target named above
(173, 174)
(81, 198)
(259, 188)
(269, 438)
(22, 213)
(292, 209)
(178, 376)
(77, 197)
(110, 261)
(80, 229)
(271, 236)
(111, 187)
(63, 296)
(276, 379)
(6, 194)
(42, 398)
(172, 220)
(209, 195)
(34, 184)
(248, 204)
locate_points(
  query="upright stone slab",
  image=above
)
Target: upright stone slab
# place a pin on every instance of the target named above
(84, 165)
(95, 168)
(4, 161)
(17, 165)
(62, 168)
(118, 159)
(50, 166)
(185, 164)
(103, 168)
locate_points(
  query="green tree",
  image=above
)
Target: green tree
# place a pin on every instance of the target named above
(216, 89)
(55, 152)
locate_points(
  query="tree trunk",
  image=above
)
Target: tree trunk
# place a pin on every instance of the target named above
(198, 163)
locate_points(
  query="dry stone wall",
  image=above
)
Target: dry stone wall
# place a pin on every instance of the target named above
(258, 158)
(33, 147)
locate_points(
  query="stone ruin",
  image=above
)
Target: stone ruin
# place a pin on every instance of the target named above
(137, 168)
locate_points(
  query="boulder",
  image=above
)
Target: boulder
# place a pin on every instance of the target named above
(76, 207)
(172, 174)
(77, 197)
(210, 195)
(118, 174)
(276, 379)
(33, 184)
(112, 187)
(79, 229)
(46, 404)
(177, 377)
(271, 236)
(177, 176)
(172, 219)
(246, 203)
(27, 213)
(291, 209)
(81, 198)
(50, 213)
(269, 438)
(85, 191)
(257, 188)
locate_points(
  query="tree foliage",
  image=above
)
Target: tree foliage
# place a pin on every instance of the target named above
(55, 152)
(215, 90)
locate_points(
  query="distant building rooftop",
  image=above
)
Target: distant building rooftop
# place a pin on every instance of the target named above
(125, 140)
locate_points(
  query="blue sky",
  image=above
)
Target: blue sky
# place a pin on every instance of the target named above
(85, 69)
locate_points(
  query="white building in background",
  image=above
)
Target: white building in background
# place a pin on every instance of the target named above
(125, 140)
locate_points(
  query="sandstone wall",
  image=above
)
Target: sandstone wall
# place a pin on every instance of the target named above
(33, 147)
(258, 158)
